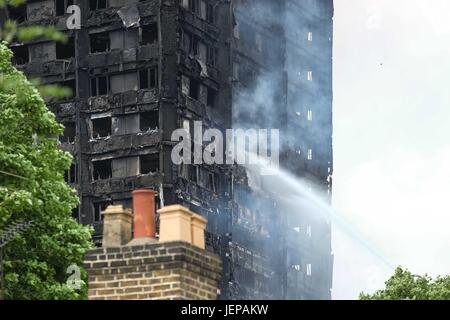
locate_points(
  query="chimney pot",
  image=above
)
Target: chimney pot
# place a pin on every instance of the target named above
(175, 224)
(116, 226)
(144, 208)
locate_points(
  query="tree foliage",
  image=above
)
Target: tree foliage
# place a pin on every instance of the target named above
(405, 286)
(32, 187)
(10, 32)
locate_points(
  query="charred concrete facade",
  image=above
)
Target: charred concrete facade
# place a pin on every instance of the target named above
(141, 69)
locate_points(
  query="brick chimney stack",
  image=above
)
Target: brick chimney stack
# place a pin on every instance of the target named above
(176, 267)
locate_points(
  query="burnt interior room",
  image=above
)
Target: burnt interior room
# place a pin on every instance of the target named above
(102, 169)
(66, 50)
(70, 132)
(101, 127)
(21, 55)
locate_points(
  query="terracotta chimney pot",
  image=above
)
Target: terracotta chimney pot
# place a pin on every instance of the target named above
(144, 213)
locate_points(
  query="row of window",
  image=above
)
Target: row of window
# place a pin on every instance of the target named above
(128, 81)
(101, 127)
(125, 167)
(58, 7)
(146, 164)
(43, 52)
(112, 84)
(99, 42)
(134, 166)
(204, 9)
(204, 178)
(123, 39)
(249, 75)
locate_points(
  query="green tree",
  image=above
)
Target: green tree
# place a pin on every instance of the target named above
(10, 32)
(32, 187)
(405, 286)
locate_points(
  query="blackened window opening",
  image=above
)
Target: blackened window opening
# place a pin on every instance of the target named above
(98, 208)
(21, 55)
(213, 182)
(102, 170)
(212, 55)
(71, 175)
(211, 97)
(72, 86)
(149, 163)
(101, 127)
(193, 5)
(194, 89)
(100, 42)
(149, 120)
(62, 5)
(149, 34)
(69, 133)
(148, 79)
(76, 213)
(18, 14)
(194, 174)
(99, 86)
(211, 13)
(98, 4)
(65, 50)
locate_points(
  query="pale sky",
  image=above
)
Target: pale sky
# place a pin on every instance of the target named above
(391, 139)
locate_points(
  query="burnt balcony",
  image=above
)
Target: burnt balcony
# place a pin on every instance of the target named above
(118, 100)
(117, 144)
(110, 16)
(50, 68)
(120, 185)
(131, 55)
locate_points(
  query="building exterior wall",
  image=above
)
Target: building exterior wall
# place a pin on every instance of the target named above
(122, 124)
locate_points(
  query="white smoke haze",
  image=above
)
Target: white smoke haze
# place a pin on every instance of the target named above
(261, 106)
(391, 139)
